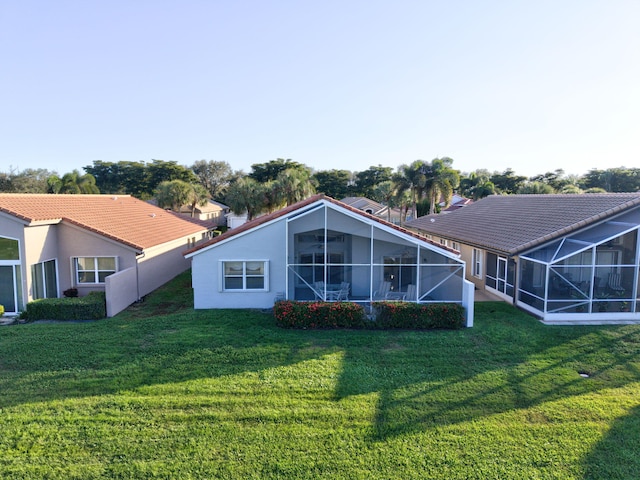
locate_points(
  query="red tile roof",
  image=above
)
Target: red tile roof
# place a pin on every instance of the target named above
(122, 218)
(515, 223)
(304, 203)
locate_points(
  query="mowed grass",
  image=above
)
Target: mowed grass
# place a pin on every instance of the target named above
(162, 391)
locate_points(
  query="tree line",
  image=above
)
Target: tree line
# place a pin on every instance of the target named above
(418, 187)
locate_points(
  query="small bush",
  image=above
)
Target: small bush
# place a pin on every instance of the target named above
(418, 316)
(70, 292)
(91, 307)
(290, 314)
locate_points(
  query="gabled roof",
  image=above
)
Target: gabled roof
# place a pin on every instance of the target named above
(255, 223)
(515, 223)
(122, 218)
(363, 203)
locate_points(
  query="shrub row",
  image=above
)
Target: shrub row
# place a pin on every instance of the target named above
(418, 316)
(90, 307)
(387, 315)
(290, 314)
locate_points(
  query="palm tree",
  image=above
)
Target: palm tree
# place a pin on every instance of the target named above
(294, 185)
(174, 194)
(413, 178)
(198, 196)
(441, 182)
(246, 195)
(386, 193)
(73, 183)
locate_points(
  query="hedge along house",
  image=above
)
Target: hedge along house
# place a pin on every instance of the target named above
(322, 249)
(112, 243)
(567, 259)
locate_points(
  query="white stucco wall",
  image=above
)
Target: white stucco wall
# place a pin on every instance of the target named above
(265, 243)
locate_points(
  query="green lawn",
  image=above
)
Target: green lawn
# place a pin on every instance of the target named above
(162, 391)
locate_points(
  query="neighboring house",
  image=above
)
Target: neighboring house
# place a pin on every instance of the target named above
(457, 202)
(113, 243)
(565, 258)
(321, 248)
(394, 215)
(234, 220)
(213, 212)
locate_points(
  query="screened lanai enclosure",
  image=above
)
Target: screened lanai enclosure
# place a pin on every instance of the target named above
(591, 274)
(336, 255)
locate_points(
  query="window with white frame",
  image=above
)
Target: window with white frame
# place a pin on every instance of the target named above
(244, 275)
(476, 262)
(93, 270)
(455, 246)
(45, 280)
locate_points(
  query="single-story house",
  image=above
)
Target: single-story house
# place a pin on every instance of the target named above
(321, 248)
(113, 243)
(457, 201)
(567, 259)
(394, 215)
(213, 212)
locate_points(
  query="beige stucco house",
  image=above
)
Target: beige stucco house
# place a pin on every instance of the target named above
(567, 259)
(114, 243)
(212, 211)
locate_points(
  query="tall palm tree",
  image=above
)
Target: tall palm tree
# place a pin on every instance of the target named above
(386, 193)
(414, 179)
(294, 185)
(72, 182)
(246, 195)
(441, 182)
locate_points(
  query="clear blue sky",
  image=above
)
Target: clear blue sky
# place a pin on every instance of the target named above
(529, 85)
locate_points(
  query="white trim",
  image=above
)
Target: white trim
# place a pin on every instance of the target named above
(477, 258)
(41, 263)
(74, 270)
(244, 261)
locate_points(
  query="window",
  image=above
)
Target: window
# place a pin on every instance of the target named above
(443, 241)
(9, 249)
(241, 275)
(455, 246)
(93, 269)
(45, 281)
(476, 262)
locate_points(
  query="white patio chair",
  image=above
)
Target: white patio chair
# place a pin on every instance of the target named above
(382, 290)
(615, 280)
(318, 290)
(411, 295)
(343, 295)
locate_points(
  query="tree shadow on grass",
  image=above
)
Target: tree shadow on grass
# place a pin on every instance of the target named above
(501, 365)
(617, 455)
(46, 362)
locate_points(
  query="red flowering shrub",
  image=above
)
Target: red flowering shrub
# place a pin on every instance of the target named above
(291, 314)
(418, 316)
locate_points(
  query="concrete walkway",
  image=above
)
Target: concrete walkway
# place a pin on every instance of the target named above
(484, 296)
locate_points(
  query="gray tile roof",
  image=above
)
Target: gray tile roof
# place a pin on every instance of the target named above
(514, 223)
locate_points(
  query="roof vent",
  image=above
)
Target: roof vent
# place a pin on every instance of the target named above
(153, 215)
(114, 198)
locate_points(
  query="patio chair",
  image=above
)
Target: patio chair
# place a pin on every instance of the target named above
(382, 290)
(318, 290)
(411, 295)
(343, 295)
(614, 284)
